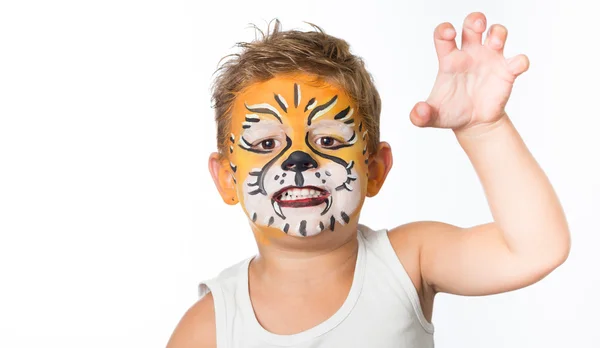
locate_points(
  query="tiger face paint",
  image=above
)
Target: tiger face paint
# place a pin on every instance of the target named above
(298, 155)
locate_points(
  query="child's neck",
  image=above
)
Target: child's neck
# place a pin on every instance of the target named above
(291, 261)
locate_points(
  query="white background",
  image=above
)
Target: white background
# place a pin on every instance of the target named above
(108, 216)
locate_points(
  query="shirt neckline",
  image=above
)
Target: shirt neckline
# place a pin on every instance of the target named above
(315, 331)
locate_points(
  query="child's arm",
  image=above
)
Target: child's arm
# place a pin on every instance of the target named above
(529, 236)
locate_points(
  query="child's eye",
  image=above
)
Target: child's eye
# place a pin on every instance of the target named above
(267, 144)
(327, 142)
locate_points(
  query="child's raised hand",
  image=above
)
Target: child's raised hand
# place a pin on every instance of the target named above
(474, 82)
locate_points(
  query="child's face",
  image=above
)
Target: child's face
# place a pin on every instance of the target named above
(298, 155)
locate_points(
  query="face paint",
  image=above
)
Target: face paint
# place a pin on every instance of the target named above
(298, 155)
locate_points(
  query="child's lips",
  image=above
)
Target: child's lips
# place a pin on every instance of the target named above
(298, 197)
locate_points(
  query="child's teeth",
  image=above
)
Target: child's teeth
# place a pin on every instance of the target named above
(298, 193)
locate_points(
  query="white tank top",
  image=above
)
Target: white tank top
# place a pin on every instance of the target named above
(382, 308)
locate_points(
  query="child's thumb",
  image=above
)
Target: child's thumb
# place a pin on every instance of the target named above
(518, 64)
(423, 115)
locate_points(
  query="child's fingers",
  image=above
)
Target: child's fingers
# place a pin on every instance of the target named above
(496, 37)
(518, 64)
(443, 38)
(473, 28)
(423, 115)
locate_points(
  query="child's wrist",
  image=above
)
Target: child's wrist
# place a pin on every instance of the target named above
(482, 129)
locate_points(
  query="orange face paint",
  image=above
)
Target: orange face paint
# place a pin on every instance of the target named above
(298, 155)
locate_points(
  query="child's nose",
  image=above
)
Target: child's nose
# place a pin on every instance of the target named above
(299, 161)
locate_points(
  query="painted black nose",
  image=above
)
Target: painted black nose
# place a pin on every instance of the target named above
(299, 161)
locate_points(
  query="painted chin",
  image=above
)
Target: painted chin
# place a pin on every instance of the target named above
(301, 197)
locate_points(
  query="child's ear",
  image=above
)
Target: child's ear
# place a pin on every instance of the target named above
(223, 177)
(380, 164)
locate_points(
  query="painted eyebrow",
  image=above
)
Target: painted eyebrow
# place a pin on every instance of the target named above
(326, 127)
(265, 109)
(321, 109)
(344, 115)
(263, 129)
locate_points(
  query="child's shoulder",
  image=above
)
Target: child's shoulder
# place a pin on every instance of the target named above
(409, 240)
(405, 241)
(407, 237)
(197, 328)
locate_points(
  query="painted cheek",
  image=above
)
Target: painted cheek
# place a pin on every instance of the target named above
(355, 154)
(245, 164)
(351, 153)
(248, 163)
(348, 154)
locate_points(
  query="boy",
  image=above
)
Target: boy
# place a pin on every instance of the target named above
(298, 132)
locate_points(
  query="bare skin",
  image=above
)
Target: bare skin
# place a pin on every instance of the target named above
(528, 238)
(283, 293)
